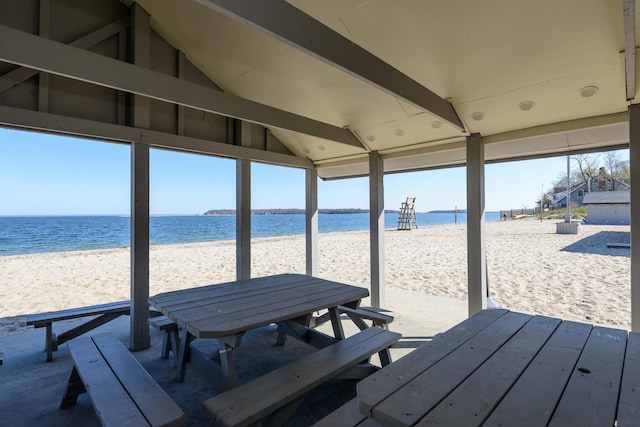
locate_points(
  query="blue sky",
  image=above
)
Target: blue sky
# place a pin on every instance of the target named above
(53, 175)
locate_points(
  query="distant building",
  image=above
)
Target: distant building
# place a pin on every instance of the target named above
(602, 183)
(608, 207)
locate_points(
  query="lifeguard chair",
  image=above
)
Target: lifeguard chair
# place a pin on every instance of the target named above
(407, 218)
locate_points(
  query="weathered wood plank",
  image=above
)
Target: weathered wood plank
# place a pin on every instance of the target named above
(229, 292)
(375, 388)
(251, 401)
(485, 385)
(173, 298)
(156, 405)
(629, 402)
(545, 378)
(591, 396)
(223, 303)
(110, 400)
(253, 315)
(41, 319)
(346, 415)
(409, 404)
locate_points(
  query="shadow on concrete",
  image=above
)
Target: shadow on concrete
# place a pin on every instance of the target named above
(597, 244)
(412, 342)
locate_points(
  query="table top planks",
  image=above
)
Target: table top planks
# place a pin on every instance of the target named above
(216, 311)
(502, 368)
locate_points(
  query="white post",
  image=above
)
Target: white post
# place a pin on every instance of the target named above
(476, 252)
(376, 224)
(567, 218)
(139, 330)
(243, 219)
(311, 221)
(634, 160)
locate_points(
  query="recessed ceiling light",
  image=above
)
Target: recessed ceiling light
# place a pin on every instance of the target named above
(436, 124)
(371, 138)
(321, 147)
(399, 132)
(306, 150)
(588, 91)
(477, 116)
(526, 105)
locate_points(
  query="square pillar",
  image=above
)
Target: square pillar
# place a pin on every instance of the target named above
(476, 247)
(311, 220)
(376, 224)
(634, 166)
(243, 219)
(141, 118)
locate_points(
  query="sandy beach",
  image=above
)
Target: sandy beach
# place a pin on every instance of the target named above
(531, 269)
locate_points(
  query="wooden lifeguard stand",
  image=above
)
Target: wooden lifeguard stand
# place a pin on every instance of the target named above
(407, 218)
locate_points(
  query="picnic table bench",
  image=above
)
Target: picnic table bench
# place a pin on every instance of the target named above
(279, 392)
(122, 392)
(171, 338)
(105, 312)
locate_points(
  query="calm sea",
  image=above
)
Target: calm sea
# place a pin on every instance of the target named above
(37, 234)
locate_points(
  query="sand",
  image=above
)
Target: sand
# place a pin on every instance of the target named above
(530, 269)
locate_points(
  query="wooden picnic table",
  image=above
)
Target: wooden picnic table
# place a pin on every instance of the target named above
(502, 368)
(226, 311)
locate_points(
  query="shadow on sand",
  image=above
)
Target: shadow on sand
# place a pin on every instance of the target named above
(597, 244)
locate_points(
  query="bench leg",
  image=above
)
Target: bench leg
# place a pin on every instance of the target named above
(385, 357)
(166, 345)
(51, 342)
(74, 389)
(183, 355)
(174, 344)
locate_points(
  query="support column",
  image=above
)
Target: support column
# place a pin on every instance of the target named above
(476, 248)
(141, 118)
(376, 223)
(634, 161)
(311, 220)
(243, 219)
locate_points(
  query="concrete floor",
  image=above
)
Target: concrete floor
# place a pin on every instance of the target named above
(31, 388)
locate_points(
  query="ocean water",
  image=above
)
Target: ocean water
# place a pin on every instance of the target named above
(39, 234)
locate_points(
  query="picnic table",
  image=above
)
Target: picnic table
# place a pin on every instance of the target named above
(501, 368)
(226, 311)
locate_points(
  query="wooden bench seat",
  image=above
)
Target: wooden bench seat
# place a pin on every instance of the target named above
(279, 392)
(105, 313)
(377, 316)
(122, 392)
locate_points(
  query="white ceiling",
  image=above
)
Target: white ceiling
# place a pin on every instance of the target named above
(483, 56)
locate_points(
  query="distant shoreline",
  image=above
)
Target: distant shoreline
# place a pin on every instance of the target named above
(293, 211)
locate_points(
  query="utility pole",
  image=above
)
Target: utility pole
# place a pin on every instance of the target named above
(567, 218)
(541, 201)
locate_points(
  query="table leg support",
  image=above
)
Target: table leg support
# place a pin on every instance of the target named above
(334, 314)
(228, 367)
(183, 355)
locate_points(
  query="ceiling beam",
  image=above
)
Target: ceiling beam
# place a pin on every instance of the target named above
(629, 20)
(31, 51)
(21, 74)
(63, 125)
(289, 24)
